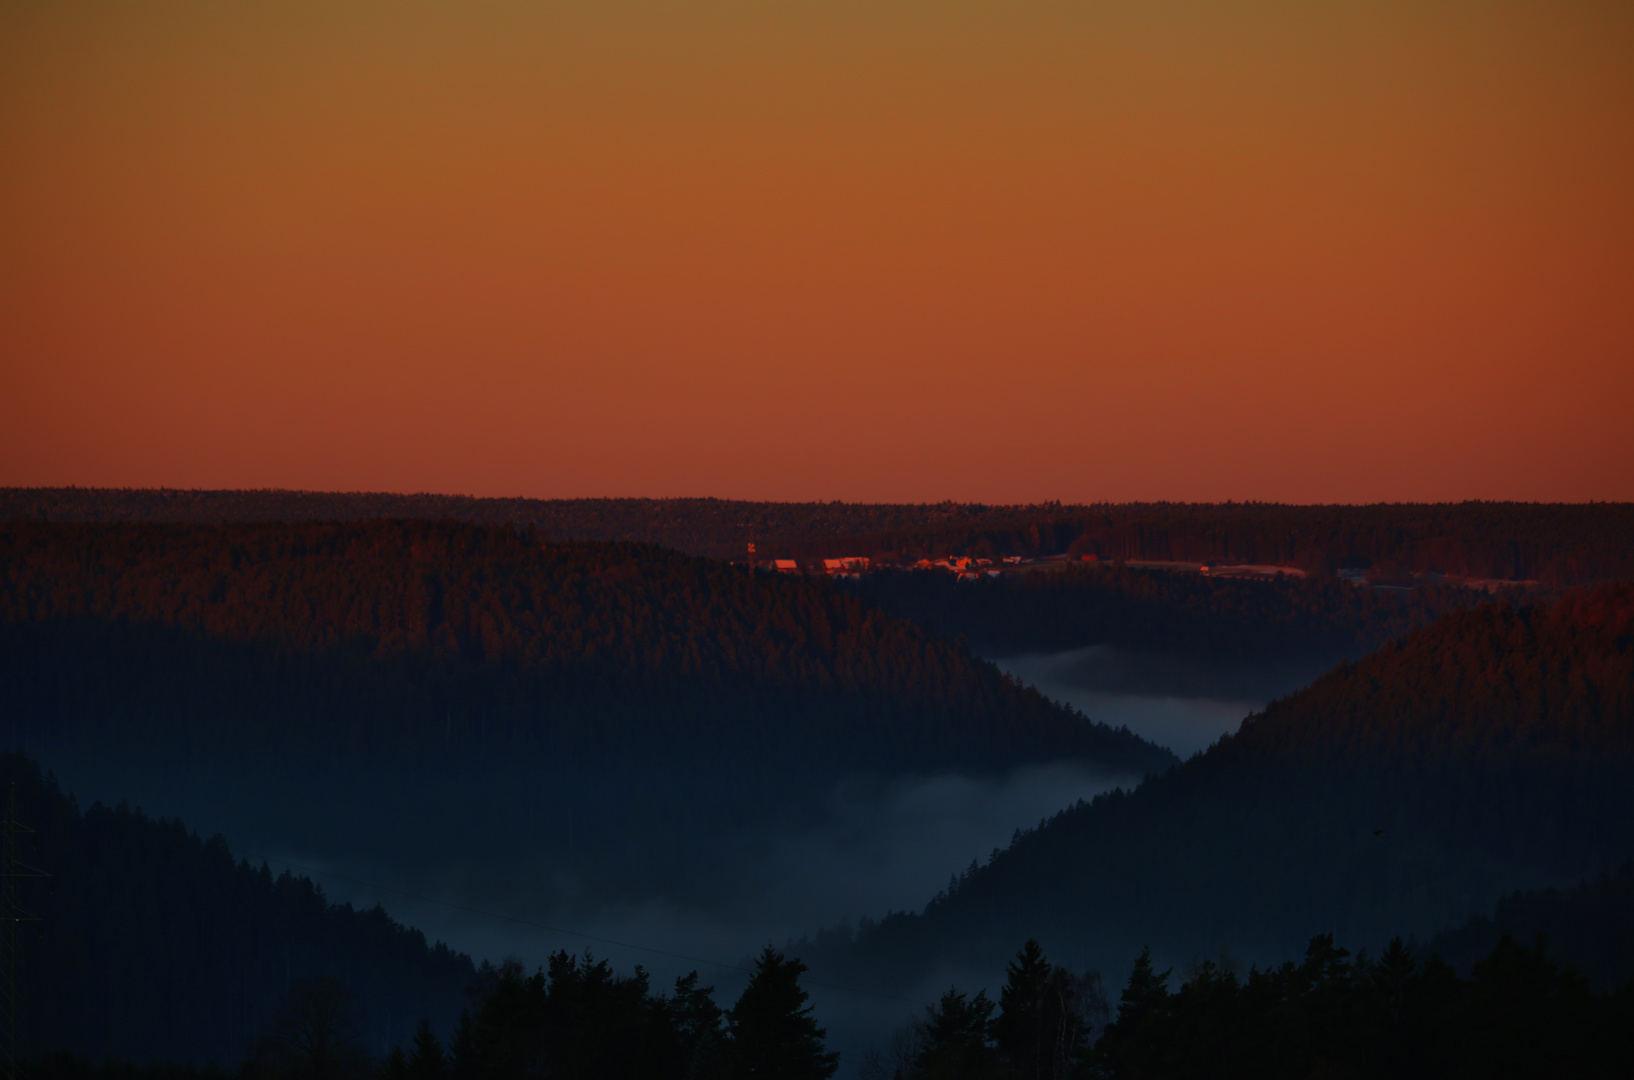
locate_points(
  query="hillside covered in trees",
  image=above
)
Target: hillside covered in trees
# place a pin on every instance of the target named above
(156, 943)
(561, 725)
(487, 639)
(158, 946)
(1491, 751)
(1285, 619)
(578, 720)
(1559, 544)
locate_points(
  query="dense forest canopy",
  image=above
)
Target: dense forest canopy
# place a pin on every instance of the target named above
(1500, 683)
(1491, 750)
(550, 644)
(1285, 619)
(551, 706)
(546, 729)
(1557, 543)
(157, 943)
(160, 946)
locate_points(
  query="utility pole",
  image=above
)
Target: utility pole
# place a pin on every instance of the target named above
(11, 909)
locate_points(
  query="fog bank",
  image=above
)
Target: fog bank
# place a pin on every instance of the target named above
(1182, 703)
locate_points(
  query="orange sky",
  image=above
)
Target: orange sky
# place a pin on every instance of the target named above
(885, 250)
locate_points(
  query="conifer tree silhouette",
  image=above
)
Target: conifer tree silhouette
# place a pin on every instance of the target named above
(774, 1036)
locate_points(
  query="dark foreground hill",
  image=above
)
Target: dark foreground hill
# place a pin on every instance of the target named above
(1491, 751)
(446, 696)
(1560, 544)
(157, 944)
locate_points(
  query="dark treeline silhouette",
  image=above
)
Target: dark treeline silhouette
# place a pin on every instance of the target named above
(1286, 619)
(576, 1018)
(1518, 1014)
(1491, 750)
(580, 1019)
(581, 720)
(1559, 544)
(1590, 927)
(158, 944)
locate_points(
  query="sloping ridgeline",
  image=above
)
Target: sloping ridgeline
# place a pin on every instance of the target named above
(1559, 543)
(1490, 751)
(434, 692)
(157, 944)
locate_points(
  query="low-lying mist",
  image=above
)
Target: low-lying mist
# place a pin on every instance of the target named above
(878, 844)
(1184, 703)
(883, 845)
(674, 865)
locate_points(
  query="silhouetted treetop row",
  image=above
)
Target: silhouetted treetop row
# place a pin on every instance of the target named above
(1557, 543)
(1590, 927)
(1402, 1014)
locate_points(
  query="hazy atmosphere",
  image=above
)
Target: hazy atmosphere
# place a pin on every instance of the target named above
(1043, 540)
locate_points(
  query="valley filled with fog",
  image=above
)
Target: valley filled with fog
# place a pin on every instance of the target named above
(1181, 703)
(872, 844)
(878, 844)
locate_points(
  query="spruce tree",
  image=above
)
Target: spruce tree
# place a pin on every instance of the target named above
(1132, 1045)
(1042, 1030)
(426, 1061)
(955, 1040)
(774, 1036)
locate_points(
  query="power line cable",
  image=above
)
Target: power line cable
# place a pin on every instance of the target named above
(564, 930)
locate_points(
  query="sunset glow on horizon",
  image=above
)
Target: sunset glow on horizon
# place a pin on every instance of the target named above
(895, 250)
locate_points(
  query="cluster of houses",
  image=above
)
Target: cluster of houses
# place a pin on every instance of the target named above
(966, 567)
(849, 566)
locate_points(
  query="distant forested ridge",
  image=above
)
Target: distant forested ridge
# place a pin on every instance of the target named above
(156, 943)
(1286, 618)
(1556, 543)
(1490, 751)
(717, 527)
(514, 641)
(584, 709)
